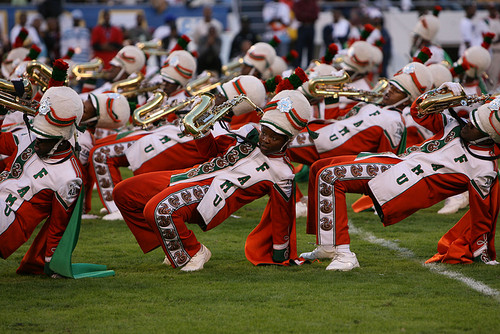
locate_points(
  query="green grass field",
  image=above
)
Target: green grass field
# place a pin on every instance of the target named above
(392, 291)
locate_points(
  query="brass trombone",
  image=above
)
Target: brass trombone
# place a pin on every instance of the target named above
(204, 115)
(9, 99)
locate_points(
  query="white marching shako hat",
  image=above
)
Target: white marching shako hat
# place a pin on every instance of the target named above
(179, 67)
(427, 27)
(487, 119)
(359, 57)
(60, 110)
(287, 113)
(113, 110)
(260, 55)
(377, 56)
(130, 58)
(440, 74)
(320, 70)
(479, 60)
(13, 59)
(278, 66)
(414, 79)
(249, 85)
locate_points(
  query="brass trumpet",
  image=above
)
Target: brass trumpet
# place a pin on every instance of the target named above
(203, 117)
(9, 99)
(152, 111)
(334, 87)
(437, 100)
(92, 69)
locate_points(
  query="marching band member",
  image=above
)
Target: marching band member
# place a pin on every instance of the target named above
(361, 60)
(109, 153)
(129, 60)
(43, 181)
(416, 133)
(258, 60)
(458, 158)
(424, 33)
(371, 128)
(242, 168)
(162, 148)
(476, 59)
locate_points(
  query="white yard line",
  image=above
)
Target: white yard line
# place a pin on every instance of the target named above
(437, 268)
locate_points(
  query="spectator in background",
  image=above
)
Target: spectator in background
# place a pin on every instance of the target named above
(306, 12)
(209, 51)
(140, 32)
(469, 28)
(36, 21)
(52, 39)
(106, 39)
(202, 27)
(338, 31)
(22, 22)
(166, 33)
(493, 25)
(277, 17)
(78, 38)
(243, 40)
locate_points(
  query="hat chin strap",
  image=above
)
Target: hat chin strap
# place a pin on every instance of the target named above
(397, 104)
(54, 148)
(119, 74)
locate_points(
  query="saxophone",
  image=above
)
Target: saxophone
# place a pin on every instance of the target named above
(438, 100)
(203, 117)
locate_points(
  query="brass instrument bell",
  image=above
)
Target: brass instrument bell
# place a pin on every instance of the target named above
(9, 98)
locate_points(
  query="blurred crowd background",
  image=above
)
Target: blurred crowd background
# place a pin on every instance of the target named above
(223, 29)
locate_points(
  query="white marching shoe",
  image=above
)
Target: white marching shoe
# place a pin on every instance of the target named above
(320, 252)
(454, 203)
(343, 262)
(198, 260)
(167, 261)
(116, 215)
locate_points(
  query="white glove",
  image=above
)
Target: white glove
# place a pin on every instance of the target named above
(338, 73)
(453, 87)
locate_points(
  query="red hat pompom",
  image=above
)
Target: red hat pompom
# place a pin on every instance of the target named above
(69, 53)
(367, 30)
(487, 38)
(33, 53)
(275, 41)
(294, 81)
(380, 42)
(194, 53)
(330, 54)
(271, 84)
(59, 73)
(424, 55)
(292, 55)
(21, 37)
(182, 43)
(437, 10)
